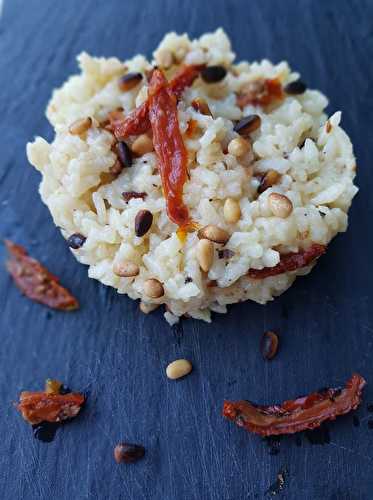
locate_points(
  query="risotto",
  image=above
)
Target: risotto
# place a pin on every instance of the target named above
(193, 181)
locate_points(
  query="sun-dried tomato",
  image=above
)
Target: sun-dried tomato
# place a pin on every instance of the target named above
(36, 282)
(138, 121)
(260, 93)
(303, 413)
(289, 262)
(184, 78)
(37, 407)
(169, 146)
(135, 124)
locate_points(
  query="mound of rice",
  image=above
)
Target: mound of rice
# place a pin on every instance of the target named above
(312, 154)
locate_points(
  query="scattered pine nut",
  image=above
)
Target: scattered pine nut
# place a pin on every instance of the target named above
(124, 154)
(201, 106)
(213, 233)
(142, 145)
(213, 74)
(143, 222)
(280, 205)
(248, 124)
(129, 81)
(269, 179)
(80, 126)
(205, 254)
(178, 369)
(239, 146)
(153, 288)
(128, 453)
(126, 269)
(231, 211)
(269, 345)
(295, 88)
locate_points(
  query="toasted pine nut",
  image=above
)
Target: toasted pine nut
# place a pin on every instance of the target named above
(143, 144)
(201, 106)
(205, 254)
(165, 58)
(280, 205)
(269, 179)
(231, 211)
(80, 126)
(147, 307)
(143, 222)
(239, 146)
(153, 288)
(178, 369)
(213, 233)
(129, 81)
(126, 269)
(248, 124)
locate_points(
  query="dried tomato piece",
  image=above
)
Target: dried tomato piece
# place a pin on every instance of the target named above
(289, 262)
(36, 282)
(37, 407)
(135, 124)
(169, 146)
(138, 121)
(260, 93)
(303, 413)
(184, 78)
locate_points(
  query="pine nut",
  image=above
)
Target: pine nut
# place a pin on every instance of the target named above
(201, 106)
(269, 345)
(143, 222)
(128, 453)
(269, 179)
(153, 288)
(295, 88)
(280, 205)
(205, 254)
(147, 307)
(80, 126)
(142, 145)
(124, 154)
(213, 233)
(239, 146)
(126, 269)
(213, 74)
(231, 211)
(178, 369)
(129, 81)
(248, 124)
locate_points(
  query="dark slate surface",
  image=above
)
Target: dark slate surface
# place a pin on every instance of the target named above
(119, 356)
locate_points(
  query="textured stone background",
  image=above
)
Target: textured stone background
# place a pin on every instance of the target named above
(325, 320)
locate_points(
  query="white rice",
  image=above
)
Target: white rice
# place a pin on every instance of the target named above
(317, 178)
